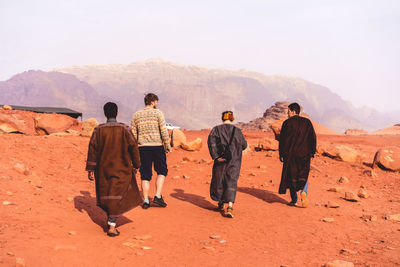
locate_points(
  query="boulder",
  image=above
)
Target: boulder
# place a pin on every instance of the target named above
(7, 107)
(88, 127)
(53, 123)
(362, 193)
(267, 144)
(12, 122)
(343, 153)
(177, 138)
(355, 132)
(276, 128)
(388, 158)
(350, 196)
(193, 146)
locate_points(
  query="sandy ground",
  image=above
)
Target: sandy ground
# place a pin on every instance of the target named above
(49, 216)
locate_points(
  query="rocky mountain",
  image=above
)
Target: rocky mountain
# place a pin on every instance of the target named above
(52, 89)
(193, 97)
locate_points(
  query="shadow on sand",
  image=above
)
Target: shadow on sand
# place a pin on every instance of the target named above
(262, 194)
(88, 203)
(194, 199)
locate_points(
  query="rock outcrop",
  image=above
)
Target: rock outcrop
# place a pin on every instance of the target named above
(388, 158)
(178, 139)
(88, 127)
(393, 130)
(355, 132)
(53, 123)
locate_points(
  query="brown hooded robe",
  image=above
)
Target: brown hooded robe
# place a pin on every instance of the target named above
(297, 144)
(113, 154)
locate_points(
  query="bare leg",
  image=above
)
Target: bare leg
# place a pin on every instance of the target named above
(159, 185)
(145, 188)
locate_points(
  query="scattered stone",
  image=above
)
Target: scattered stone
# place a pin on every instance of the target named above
(326, 219)
(344, 153)
(20, 168)
(70, 199)
(9, 193)
(215, 236)
(146, 248)
(193, 146)
(65, 247)
(185, 176)
(222, 241)
(20, 262)
(362, 193)
(269, 154)
(370, 173)
(393, 217)
(131, 244)
(143, 237)
(347, 251)
(262, 167)
(72, 232)
(176, 177)
(350, 196)
(252, 174)
(6, 203)
(315, 168)
(335, 189)
(10, 253)
(208, 248)
(339, 263)
(368, 217)
(344, 180)
(332, 204)
(139, 253)
(189, 159)
(391, 248)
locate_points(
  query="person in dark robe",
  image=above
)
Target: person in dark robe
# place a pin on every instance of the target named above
(112, 160)
(297, 145)
(226, 168)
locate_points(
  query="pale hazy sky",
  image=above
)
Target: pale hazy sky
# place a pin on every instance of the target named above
(352, 47)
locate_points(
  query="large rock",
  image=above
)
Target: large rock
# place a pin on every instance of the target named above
(388, 158)
(193, 146)
(355, 132)
(177, 138)
(339, 263)
(343, 153)
(88, 127)
(53, 123)
(16, 121)
(276, 128)
(267, 144)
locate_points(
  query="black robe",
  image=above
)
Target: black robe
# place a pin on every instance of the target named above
(223, 185)
(297, 144)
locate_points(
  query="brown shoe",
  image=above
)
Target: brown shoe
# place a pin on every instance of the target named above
(229, 212)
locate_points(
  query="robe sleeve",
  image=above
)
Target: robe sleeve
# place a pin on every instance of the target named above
(133, 149)
(164, 132)
(283, 141)
(212, 144)
(133, 127)
(91, 162)
(243, 141)
(312, 140)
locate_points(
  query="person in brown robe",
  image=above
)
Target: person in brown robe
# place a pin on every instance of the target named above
(297, 144)
(225, 172)
(112, 160)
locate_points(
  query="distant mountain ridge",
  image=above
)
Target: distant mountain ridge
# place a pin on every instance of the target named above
(192, 97)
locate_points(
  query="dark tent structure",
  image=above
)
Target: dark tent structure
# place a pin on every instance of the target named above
(64, 111)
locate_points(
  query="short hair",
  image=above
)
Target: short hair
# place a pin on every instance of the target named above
(110, 110)
(150, 97)
(227, 115)
(294, 107)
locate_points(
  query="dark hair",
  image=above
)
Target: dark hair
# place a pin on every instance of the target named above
(295, 107)
(227, 115)
(110, 110)
(150, 97)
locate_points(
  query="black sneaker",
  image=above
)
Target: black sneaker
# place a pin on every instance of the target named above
(220, 206)
(159, 201)
(145, 205)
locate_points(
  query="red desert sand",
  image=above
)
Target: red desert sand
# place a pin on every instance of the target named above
(49, 215)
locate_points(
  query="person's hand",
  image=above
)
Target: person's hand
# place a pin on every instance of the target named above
(91, 175)
(221, 160)
(281, 159)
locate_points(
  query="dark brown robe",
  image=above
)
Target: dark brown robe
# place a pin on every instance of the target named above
(223, 185)
(297, 144)
(113, 154)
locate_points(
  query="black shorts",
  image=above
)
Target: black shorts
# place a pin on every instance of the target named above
(150, 155)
